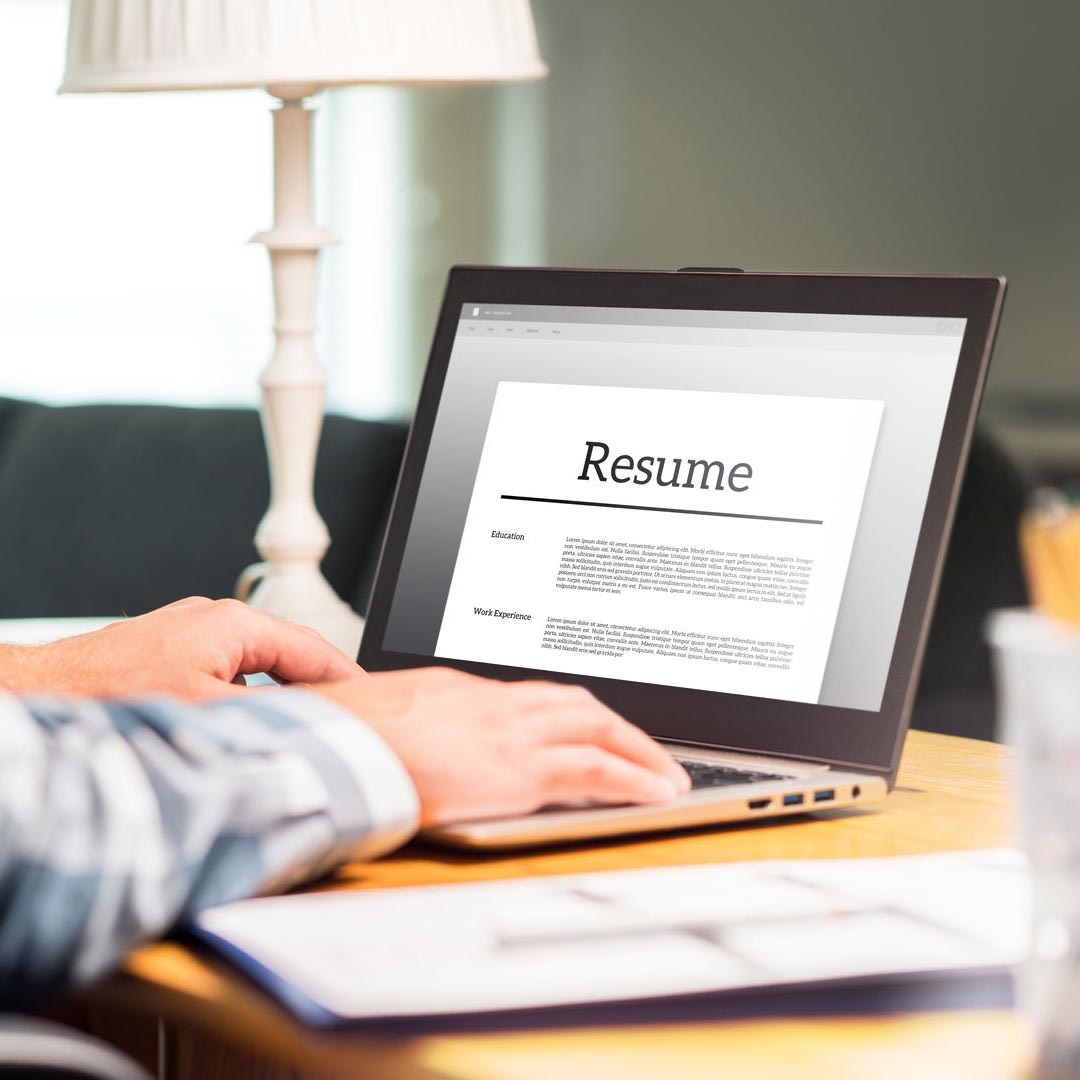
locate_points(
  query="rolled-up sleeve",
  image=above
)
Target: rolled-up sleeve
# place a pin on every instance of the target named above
(119, 819)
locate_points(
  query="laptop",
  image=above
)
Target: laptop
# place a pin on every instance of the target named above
(718, 500)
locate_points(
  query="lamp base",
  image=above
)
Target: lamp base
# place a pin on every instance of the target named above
(298, 592)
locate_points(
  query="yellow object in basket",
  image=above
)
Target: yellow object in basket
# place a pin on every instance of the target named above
(1050, 552)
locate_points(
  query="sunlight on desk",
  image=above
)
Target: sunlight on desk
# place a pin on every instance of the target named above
(939, 1046)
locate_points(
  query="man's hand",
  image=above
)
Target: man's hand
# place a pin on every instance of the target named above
(479, 748)
(196, 649)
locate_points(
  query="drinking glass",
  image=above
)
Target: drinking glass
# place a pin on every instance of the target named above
(1037, 664)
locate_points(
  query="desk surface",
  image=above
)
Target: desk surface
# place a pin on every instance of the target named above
(952, 794)
(42, 631)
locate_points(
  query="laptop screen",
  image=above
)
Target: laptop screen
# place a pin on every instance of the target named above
(716, 500)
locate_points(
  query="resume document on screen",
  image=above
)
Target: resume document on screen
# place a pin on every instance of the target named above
(682, 537)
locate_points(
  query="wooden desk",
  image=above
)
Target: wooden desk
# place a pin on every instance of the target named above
(952, 794)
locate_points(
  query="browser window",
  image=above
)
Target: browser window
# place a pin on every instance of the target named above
(726, 501)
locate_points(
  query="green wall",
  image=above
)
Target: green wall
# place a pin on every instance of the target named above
(847, 135)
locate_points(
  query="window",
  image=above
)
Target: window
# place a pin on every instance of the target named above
(126, 275)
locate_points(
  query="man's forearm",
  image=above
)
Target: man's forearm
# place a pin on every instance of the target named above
(195, 650)
(116, 820)
(21, 668)
(61, 667)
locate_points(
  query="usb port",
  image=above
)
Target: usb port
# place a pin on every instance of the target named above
(794, 800)
(825, 796)
(758, 804)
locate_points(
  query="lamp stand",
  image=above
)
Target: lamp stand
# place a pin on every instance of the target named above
(292, 538)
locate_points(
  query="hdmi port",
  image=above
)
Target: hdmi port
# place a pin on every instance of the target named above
(825, 796)
(758, 804)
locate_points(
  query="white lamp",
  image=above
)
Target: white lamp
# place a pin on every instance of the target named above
(294, 48)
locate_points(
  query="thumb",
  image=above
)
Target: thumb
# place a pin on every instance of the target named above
(290, 653)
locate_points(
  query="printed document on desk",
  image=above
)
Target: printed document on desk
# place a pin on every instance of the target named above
(679, 537)
(639, 935)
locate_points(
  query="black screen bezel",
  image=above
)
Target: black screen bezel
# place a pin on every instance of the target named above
(853, 738)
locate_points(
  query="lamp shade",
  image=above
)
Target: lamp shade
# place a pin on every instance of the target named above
(116, 45)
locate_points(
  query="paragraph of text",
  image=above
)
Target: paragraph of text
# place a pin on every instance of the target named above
(613, 566)
(615, 639)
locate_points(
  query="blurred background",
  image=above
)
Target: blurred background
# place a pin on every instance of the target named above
(842, 135)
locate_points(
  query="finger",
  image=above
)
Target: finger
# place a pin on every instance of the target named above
(569, 773)
(288, 652)
(189, 601)
(580, 718)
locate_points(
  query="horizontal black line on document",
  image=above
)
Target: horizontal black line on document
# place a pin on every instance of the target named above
(661, 509)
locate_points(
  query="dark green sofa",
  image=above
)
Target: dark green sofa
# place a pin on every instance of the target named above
(122, 508)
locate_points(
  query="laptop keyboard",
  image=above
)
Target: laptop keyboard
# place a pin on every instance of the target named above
(706, 775)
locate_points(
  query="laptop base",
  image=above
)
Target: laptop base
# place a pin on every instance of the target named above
(822, 789)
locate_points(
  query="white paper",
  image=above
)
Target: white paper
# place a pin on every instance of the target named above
(635, 934)
(727, 577)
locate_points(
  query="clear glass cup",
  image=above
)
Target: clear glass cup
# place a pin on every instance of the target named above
(1037, 664)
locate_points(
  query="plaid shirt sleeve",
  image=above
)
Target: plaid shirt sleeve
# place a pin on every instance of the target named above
(120, 819)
